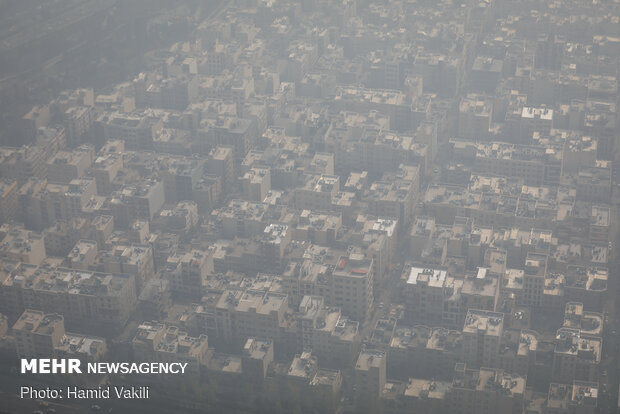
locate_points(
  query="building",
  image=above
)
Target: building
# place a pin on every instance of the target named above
(136, 129)
(78, 120)
(424, 291)
(37, 117)
(22, 245)
(475, 116)
(600, 224)
(62, 237)
(157, 342)
(256, 357)
(255, 184)
(22, 163)
(351, 285)
(135, 260)
(182, 219)
(221, 163)
(155, 299)
(83, 255)
(370, 373)
(576, 356)
(89, 301)
(485, 74)
(317, 192)
(38, 334)
(65, 166)
(137, 202)
(535, 165)
(8, 199)
(242, 218)
(318, 227)
(238, 133)
(395, 194)
(578, 397)
(534, 279)
(106, 166)
(482, 337)
(188, 272)
(79, 193)
(486, 391)
(332, 337)
(245, 314)
(180, 175)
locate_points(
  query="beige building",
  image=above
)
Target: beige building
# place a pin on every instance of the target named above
(534, 279)
(157, 342)
(422, 395)
(65, 166)
(102, 228)
(88, 301)
(589, 323)
(535, 165)
(16, 243)
(256, 356)
(137, 202)
(379, 237)
(136, 129)
(238, 133)
(78, 120)
(577, 355)
(600, 223)
(475, 117)
(37, 117)
(241, 218)
(180, 176)
(244, 314)
(421, 234)
(332, 337)
(486, 391)
(8, 199)
(221, 163)
(426, 351)
(83, 255)
(480, 291)
(107, 164)
(38, 334)
(579, 398)
(535, 119)
(395, 194)
(62, 237)
(207, 193)
(587, 285)
(482, 337)
(318, 227)
(317, 192)
(22, 163)
(181, 219)
(79, 193)
(352, 284)
(256, 183)
(135, 260)
(370, 373)
(593, 184)
(41, 203)
(83, 347)
(424, 291)
(188, 272)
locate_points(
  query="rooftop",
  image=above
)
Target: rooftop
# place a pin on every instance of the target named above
(369, 359)
(487, 322)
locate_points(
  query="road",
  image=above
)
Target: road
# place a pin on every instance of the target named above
(610, 362)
